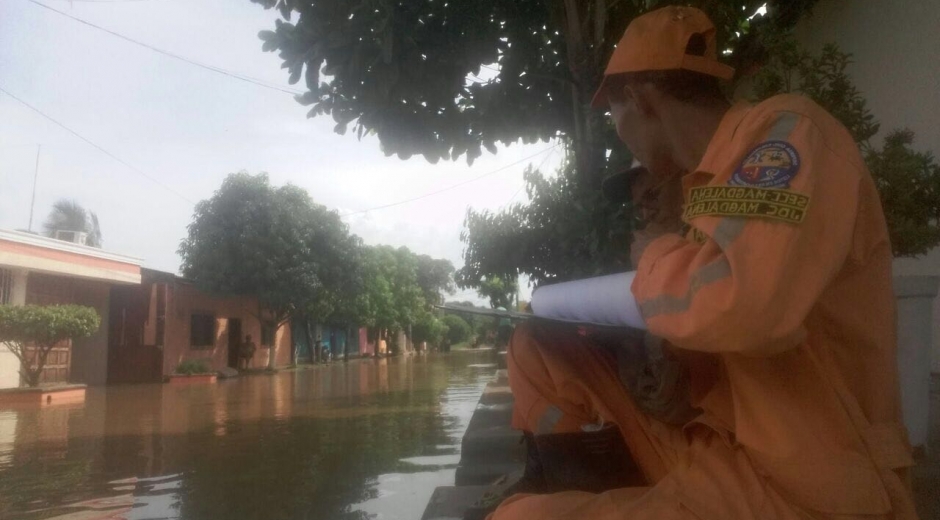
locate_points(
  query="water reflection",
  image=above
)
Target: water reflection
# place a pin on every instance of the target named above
(367, 439)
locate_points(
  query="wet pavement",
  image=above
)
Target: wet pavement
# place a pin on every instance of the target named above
(367, 439)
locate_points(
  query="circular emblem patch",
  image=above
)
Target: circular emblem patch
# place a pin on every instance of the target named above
(769, 165)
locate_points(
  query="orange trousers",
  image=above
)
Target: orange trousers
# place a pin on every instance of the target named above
(561, 382)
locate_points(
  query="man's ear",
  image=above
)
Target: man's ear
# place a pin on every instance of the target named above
(640, 98)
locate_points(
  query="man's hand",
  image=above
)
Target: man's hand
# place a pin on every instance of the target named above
(657, 199)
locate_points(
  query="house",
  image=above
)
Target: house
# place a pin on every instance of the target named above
(166, 320)
(46, 271)
(151, 321)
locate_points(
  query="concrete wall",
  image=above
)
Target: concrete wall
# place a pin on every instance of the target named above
(90, 355)
(185, 300)
(894, 45)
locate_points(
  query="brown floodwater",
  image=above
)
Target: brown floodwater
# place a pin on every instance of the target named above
(360, 440)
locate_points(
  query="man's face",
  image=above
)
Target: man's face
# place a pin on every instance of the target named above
(640, 130)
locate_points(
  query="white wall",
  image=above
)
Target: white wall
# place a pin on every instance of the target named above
(895, 48)
(9, 364)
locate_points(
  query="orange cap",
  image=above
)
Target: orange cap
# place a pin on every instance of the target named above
(658, 40)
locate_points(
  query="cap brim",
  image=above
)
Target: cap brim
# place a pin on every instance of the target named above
(616, 187)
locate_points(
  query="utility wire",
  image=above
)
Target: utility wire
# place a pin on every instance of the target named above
(539, 167)
(100, 149)
(459, 184)
(218, 70)
(103, 1)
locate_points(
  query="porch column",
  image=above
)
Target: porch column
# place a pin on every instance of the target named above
(18, 294)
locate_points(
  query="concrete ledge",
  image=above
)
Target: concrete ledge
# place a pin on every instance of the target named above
(496, 394)
(491, 445)
(42, 396)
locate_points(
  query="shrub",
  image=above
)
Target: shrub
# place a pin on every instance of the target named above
(192, 366)
(458, 330)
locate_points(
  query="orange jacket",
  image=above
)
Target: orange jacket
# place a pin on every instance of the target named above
(785, 278)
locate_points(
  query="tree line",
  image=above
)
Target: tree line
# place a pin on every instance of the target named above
(301, 262)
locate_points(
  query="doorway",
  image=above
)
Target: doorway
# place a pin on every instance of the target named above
(234, 341)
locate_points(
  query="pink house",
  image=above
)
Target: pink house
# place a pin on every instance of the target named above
(44, 271)
(166, 320)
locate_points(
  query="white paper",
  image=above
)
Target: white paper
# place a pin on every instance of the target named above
(604, 300)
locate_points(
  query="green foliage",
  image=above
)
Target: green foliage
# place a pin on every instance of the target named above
(457, 329)
(428, 328)
(909, 185)
(908, 181)
(69, 215)
(398, 289)
(823, 78)
(275, 244)
(567, 230)
(192, 366)
(410, 72)
(500, 291)
(435, 277)
(31, 331)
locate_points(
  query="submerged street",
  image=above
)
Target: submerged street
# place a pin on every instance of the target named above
(367, 439)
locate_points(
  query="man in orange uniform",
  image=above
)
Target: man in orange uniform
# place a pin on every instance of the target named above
(777, 300)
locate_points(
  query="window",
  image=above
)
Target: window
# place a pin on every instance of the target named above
(267, 335)
(202, 331)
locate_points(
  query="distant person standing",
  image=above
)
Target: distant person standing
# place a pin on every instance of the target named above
(246, 352)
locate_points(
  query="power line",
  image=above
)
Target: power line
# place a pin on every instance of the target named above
(103, 1)
(99, 148)
(539, 167)
(459, 184)
(218, 70)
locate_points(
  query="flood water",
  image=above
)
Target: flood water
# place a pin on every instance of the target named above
(366, 439)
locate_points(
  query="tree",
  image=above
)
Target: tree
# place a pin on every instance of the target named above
(69, 215)
(908, 182)
(429, 328)
(32, 331)
(271, 243)
(458, 330)
(435, 277)
(500, 291)
(567, 230)
(392, 299)
(409, 72)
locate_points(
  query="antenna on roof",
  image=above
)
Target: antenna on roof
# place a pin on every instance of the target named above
(32, 204)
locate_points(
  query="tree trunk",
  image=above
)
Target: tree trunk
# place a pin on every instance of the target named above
(587, 142)
(310, 344)
(346, 345)
(272, 350)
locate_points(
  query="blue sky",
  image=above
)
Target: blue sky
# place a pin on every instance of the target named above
(189, 127)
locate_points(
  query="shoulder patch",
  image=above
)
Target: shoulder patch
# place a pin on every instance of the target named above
(746, 201)
(770, 164)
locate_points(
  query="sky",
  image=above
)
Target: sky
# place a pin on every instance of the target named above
(177, 130)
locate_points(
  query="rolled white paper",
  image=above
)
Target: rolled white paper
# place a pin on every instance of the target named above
(603, 300)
